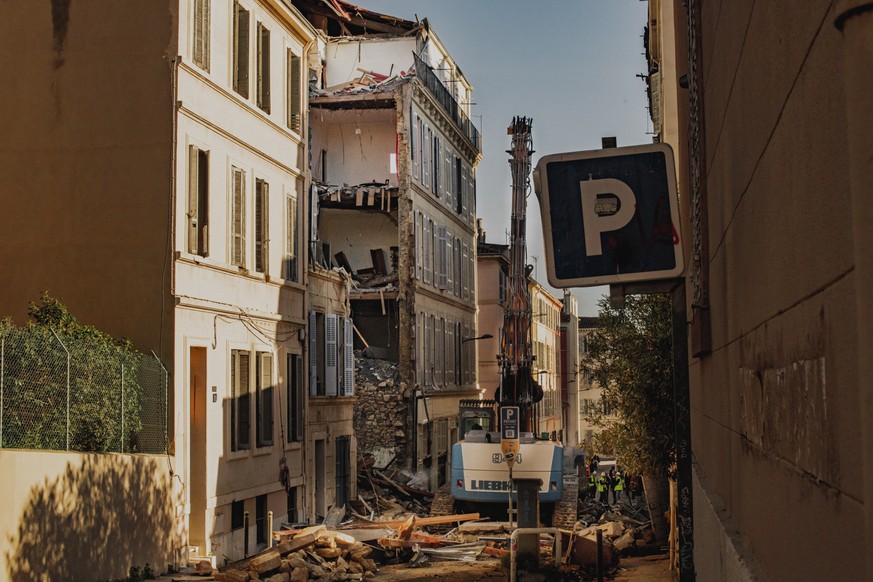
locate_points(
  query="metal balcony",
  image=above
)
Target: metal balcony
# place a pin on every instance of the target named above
(425, 73)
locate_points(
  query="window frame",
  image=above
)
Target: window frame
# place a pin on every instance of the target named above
(240, 49)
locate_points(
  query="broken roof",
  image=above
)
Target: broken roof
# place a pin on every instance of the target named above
(347, 19)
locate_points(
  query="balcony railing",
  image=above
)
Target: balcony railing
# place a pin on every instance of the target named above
(425, 73)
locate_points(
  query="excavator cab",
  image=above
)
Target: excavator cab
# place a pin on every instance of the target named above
(476, 415)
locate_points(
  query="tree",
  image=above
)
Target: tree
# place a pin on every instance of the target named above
(630, 356)
(101, 390)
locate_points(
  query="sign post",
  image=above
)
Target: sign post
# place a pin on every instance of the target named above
(509, 416)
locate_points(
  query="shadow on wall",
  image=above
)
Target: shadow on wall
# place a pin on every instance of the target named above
(94, 522)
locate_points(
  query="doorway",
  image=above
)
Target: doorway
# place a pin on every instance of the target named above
(320, 477)
(197, 449)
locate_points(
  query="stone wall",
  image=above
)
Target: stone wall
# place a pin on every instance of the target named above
(380, 410)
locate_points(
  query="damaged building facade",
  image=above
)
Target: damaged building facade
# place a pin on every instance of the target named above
(393, 161)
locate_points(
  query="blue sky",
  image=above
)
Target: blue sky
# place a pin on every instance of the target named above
(571, 65)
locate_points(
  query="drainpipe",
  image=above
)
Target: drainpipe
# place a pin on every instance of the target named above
(855, 21)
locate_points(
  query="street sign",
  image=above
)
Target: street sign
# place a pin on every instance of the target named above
(609, 216)
(509, 416)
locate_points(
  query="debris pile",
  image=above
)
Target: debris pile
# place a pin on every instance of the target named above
(315, 553)
(380, 411)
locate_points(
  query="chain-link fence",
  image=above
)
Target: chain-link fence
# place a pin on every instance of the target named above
(65, 393)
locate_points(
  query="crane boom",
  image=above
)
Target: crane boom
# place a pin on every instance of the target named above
(517, 385)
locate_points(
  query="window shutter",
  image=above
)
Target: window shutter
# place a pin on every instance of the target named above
(427, 254)
(238, 220)
(234, 390)
(419, 242)
(193, 197)
(465, 178)
(295, 102)
(442, 257)
(449, 261)
(262, 202)
(425, 156)
(330, 354)
(298, 394)
(265, 399)
(263, 72)
(244, 399)
(437, 161)
(459, 185)
(448, 177)
(200, 52)
(428, 358)
(313, 355)
(349, 368)
(413, 142)
(458, 258)
(241, 51)
(291, 248)
(465, 272)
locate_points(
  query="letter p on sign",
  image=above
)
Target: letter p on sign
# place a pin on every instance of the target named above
(598, 219)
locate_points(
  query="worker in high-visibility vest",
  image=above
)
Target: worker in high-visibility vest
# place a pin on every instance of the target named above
(618, 486)
(602, 488)
(592, 486)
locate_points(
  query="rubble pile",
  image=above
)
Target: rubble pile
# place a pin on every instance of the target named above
(380, 409)
(314, 553)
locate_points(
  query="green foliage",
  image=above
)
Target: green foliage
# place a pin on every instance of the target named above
(630, 356)
(104, 397)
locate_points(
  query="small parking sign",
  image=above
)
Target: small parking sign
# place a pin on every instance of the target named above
(509, 418)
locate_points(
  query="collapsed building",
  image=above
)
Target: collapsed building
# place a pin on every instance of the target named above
(393, 158)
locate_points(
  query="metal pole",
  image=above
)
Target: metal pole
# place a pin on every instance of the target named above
(269, 529)
(513, 545)
(122, 407)
(682, 419)
(599, 562)
(68, 385)
(246, 534)
(2, 373)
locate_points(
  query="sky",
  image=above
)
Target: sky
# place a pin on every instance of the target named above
(570, 65)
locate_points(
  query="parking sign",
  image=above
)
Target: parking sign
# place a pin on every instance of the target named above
(509, 416)
(609, 216)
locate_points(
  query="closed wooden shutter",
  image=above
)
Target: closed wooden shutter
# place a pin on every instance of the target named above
(349, 353)
(437, 162)
(263, 80)
(295, 101)
(441, 246)
(265, 399)
(262, 226)
(313, 355)
(450, 252)
(238, 219)
(241, 50)
(200, 21)
(413, 142)
(244, 402)
(291, 242)
(193, 197)
(330, 354)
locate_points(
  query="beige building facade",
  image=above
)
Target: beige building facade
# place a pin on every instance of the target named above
(393, 167)
(161, 151)
(774, 185)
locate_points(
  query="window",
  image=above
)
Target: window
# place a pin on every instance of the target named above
(240, 50)
(332, 363)
(238, 219)
(200, 50)
(237, 515)
(291, 239)
(262, 226)
(448, 177)
(263, 68)
(343, 469)
(450, 255)
(295, 100)
(428, 253)
(261, 519)
(294, 381)
(292, 505)
(264, 399)
(240, 437)
(466, 271)
(427, 150)
(198, 201)
(458, 266)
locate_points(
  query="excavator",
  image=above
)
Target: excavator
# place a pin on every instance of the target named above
(482, 465)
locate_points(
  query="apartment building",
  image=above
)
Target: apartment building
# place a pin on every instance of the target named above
(491, 261)
(570, 369)
(545, 339)
(774, 163)
(158, 185)
(393, 167)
